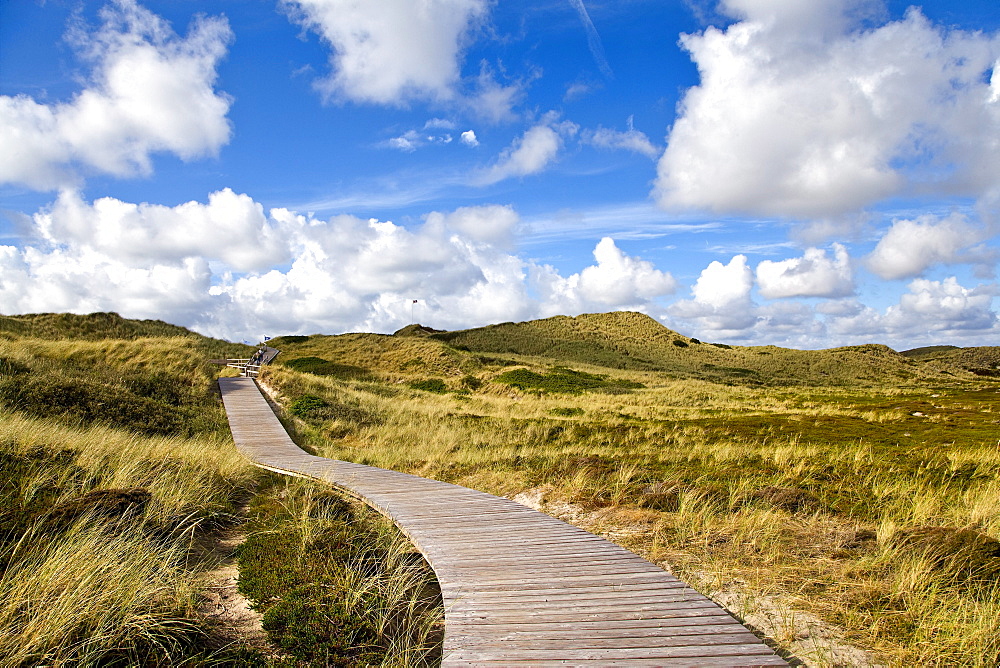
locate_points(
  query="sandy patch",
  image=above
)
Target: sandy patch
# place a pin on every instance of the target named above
(222, 604)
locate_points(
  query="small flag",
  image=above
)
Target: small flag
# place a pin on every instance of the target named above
(267, 338)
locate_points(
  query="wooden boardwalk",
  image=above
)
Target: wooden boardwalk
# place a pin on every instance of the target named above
(519, 587)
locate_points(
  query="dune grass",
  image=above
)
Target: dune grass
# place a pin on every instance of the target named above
(338, 584)
(117, 467)
(809, 494)
(856, 484)
(114, 461)
(84, 588)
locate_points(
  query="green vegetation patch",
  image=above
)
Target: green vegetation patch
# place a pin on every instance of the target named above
(566, 411)
(337, 585)
(435, 385)
(288, 340)
(962, 553)
(11, 367)
(563, 380)
(88, 400)
(334, 410)
(95, 545)
(321, 367)
(308, 406)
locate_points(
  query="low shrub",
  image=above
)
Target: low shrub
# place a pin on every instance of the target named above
(112, 504)
(11, 367)
(289, 339)
(471, 382)
(347, 411)
(308, 405)
(562, 380)
(312, 623)
(321, 367)
(264, 571)
(86, 400)
(435, 385)
(335, 582)
(961, 553)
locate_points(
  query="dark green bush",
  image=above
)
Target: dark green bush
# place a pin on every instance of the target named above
(308, 405)
(316, 409)
(566, 411)
(285, 340)
(680, 344)
(312, 624)
(471, 382)
(300, 585)
(158, 386)
(563, 380)
(321, 367)
(88, 400)
(267, 566)
(12, 367)
(430, 385)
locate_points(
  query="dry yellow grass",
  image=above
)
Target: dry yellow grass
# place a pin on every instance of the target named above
(695, 461)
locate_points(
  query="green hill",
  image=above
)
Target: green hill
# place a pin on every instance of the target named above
(981, 360)
(92, 327)
(618, 342)
(143, 375)
(634, 341)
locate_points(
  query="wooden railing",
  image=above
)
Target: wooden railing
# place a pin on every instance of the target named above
(251, 366)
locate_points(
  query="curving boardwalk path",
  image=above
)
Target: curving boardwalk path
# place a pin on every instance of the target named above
(519, 587)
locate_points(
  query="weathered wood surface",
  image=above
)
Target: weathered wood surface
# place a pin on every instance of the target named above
(519, 587)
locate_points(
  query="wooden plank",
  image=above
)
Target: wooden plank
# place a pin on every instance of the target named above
(510, 645)
(519, 587)
(608, 631)
(596, 627)
(684, 662)
(729, 652)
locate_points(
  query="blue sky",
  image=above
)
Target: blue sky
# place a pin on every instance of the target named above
(748, 171)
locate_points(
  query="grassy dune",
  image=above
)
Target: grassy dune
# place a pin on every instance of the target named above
(117, 469)
(114, 457)
(866, 492)
(856, 484)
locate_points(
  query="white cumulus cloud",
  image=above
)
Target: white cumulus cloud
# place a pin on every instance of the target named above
(150, 91)
(941, 306)
(82, 280)
(491, 223)
(721, 299)
(391, 51)
(231, 228)
(912, 246)
(411, 140)
(800, 112)
(469, 138)
(228, 268)
(618, 281)
(812, 275)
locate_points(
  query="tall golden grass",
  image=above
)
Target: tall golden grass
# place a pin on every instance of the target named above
(803, 494)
